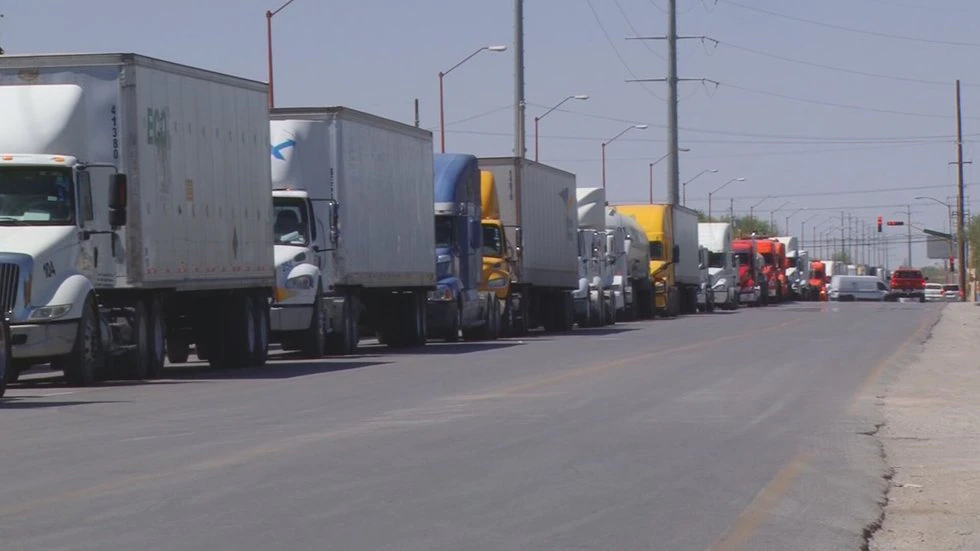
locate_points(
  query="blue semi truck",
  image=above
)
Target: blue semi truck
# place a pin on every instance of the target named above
(457, 306)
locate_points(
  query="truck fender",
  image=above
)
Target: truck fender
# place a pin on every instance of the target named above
(73, 290)
(304, 269)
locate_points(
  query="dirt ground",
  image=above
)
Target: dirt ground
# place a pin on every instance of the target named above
(931, 438)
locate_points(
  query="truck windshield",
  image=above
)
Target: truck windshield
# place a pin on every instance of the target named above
(716, 260)
(742, 258)
(769, 258)
(493, 242)
(36, 196)
(444, 232)
(656, 250)
(292, 224)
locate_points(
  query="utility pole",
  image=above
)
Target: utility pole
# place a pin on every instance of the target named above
(519, 104)
(908, 224)
(731, 211)
(417, 121)
(960, 203)
(1, 45)
(672, 80)
(842, 246)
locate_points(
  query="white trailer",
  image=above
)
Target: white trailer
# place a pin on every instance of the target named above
(631, 270)
(722, 272)
(362, 189)
(537, 208)
(135, 195)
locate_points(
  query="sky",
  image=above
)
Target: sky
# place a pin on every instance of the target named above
(833, 105)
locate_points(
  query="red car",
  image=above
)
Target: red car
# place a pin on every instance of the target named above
(908, 283)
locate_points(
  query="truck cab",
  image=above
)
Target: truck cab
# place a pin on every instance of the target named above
(818, 280)
(458, 305)
(589, 298)
(752, 282)
(498, 264)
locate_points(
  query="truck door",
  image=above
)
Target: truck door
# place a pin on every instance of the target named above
(96, 260)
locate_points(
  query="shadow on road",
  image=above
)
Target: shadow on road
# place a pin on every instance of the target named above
(27, 402)
(453, 348)
(284, 366)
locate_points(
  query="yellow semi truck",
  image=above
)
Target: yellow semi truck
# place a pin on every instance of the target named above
(672, 232)
(497, 268)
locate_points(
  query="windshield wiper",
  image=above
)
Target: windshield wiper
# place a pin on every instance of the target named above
(12, 221)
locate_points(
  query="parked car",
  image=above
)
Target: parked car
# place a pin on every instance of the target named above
(951, 292)
(934, 292)
(848, 288)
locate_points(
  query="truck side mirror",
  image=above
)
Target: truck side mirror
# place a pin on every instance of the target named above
(677, 253)
(118, 195)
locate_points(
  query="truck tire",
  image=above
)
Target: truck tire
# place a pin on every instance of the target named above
(343, 342)
(314, 337)
(260, 307)
(178, 350)
(452, 332)
(494, 318)
(764, 293)
(6, 364)
(81, 365)
(136, 364)
(157, 337)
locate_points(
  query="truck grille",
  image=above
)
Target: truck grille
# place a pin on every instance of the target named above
(9, 277)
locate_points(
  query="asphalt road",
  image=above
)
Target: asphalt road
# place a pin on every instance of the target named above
(723, 431)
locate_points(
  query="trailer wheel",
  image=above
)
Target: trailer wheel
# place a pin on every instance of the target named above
(80, 366)
(157, 338)
(314, 338)
(260, 309)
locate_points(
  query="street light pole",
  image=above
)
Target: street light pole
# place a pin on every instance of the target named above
(786, 227)
(752, 207)
(684, 185)
(684, 149)
(442, 104)
(772, 215)
(710, 193)
(581, 97)
(607, 142)
(269, 14)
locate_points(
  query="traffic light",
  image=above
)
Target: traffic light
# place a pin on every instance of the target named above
(879, 224)
(952, 264)
(895, 223)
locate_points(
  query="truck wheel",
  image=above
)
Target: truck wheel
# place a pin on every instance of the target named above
(260, 308)
(81, 365)
(245, 349)
(344, 341)
(138, 359)
(158, 340)
(178, 350)
(452, 332)
(494, 318)
(6, 365)
(314, 338)
(709, 303)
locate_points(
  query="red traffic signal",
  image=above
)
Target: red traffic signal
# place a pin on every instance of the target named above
(895, 223)
(952, 264)
(879, 224)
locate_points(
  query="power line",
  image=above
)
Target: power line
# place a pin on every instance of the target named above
(636, 32)
(753, 154)
(851, 29)
(612, 45)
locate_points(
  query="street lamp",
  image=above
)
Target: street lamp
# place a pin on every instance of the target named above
(752, 208)
(803, 231)
(772, 213)
(268, 35)
(684, 185)
(442, 75)
(710, 193)
(786, 228)
(684, 149)
(581, 97)
(605, 143)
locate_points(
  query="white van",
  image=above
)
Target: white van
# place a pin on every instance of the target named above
(850, 288)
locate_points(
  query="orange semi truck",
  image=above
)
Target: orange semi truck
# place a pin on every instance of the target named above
(818, 280)
(774, 257)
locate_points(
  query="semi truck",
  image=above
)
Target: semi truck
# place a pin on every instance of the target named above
(498, 258)
(797, 266)
(594, 298)
(632, 270)
(135, 200)
(537, 211)
(753, 285)
(362, 188)
(672, 232)
(458, 305)
(772, 267)
(722, 271)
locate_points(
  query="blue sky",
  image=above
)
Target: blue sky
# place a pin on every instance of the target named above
(379, 55)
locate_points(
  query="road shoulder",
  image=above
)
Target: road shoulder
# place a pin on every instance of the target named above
(931, 440)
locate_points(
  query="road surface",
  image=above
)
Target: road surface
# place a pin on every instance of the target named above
(743, 430)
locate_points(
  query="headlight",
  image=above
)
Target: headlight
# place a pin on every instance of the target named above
(659, 286)
(497, 282)
(720, 283)
(442, 293)
(46, 313)
(300, 282)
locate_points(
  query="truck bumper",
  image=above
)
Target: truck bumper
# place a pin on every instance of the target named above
(720, 296)
(290, 318)
(749, 296)
(43, 340)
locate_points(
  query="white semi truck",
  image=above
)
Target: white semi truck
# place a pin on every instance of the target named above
(355, 236)
(597, 293)
(631, 271)
(722, 271)
(135, 214)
